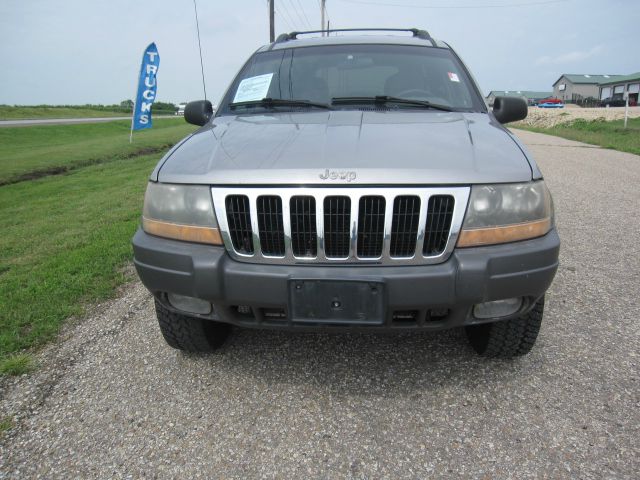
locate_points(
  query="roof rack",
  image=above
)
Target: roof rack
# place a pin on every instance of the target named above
(423, 34)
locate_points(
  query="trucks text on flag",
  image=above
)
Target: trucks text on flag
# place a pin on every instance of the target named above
(147, 87)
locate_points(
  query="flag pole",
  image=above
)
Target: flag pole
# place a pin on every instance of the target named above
(135, 98)
(133, 112)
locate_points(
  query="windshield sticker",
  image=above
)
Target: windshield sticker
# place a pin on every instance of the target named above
(253, 88)
(453, 77)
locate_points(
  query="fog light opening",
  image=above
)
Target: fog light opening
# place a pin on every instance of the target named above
(497, 308)
(189, 304)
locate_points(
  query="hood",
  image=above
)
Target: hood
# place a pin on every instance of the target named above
(348, 147)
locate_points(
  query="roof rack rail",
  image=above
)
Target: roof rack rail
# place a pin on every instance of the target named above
(423, 34)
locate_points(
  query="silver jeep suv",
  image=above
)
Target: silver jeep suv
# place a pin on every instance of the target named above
(352, 182)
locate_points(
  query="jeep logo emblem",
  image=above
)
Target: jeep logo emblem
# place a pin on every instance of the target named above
(347, 175)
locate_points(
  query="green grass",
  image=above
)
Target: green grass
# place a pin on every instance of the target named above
(63, 243)
(29, 152)
(66, 237)
(16, 364)
(22, 113)
(6, 423)
(611, 134)
(19, 112)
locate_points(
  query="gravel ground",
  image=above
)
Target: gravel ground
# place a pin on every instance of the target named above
(548, 117)
(112, 400)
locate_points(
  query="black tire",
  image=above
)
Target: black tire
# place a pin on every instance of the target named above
(507, 338)
(189, 333)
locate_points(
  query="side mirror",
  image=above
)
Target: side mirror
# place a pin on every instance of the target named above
(198, 113)
(509, 109)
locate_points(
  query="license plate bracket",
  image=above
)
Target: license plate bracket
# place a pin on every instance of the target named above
(355, 302)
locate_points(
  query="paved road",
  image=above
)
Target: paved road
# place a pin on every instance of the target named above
(111, 400)
(65, 121)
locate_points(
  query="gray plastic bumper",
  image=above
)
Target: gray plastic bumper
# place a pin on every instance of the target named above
(436, 296)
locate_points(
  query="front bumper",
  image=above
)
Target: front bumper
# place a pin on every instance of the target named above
(425, 296)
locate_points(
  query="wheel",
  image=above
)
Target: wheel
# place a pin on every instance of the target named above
(189, 333)
(507, 338)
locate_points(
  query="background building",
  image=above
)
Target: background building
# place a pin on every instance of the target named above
(616, 88)
(530, 96)
(574, 87)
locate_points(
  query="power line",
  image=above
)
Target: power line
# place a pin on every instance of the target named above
(285, 20)
(292, 18)
(326, 12)
(305, 15)
(406, 5)
(295, 10)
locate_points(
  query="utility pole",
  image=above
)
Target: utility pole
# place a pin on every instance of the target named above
(322, 8)
(272, 33)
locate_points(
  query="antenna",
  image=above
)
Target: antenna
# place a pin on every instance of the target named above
(204, 87)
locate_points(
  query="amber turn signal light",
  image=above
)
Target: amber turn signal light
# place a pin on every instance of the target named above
(476, 237)
(186, 233)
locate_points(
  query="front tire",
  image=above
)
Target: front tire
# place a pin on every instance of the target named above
(507, 338)
(190, 334)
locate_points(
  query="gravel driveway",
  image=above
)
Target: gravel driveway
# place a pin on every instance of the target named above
(112, 400)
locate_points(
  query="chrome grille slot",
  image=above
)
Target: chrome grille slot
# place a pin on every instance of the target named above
(304, 237)
(404, 229)
(239, 221)
(371, 227)
(439, 215)
(337, 226)
(340, 225)
(270, 226)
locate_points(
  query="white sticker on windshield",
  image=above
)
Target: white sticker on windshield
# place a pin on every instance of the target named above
(453, 77)
(253, 88)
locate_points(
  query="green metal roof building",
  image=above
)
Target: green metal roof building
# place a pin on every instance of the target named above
(573, 87)
(621, 86)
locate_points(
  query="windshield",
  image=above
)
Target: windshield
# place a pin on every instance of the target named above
(321, 74)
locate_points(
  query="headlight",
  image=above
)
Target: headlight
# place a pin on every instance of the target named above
(180, 212)
(506, 213)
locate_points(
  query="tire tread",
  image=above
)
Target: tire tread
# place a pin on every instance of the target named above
(508, 338)
(189, 333)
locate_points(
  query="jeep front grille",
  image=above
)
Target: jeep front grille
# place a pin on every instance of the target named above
(404, 227)
(439, 213)
(340, 225)
(270, 225)
(239, 220)
(304, 237)
(337, 226)
(371, 227)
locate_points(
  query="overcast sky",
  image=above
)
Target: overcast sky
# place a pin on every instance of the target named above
(89, 51)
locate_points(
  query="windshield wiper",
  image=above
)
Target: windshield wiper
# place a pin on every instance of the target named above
(279, 102)
(387, 99)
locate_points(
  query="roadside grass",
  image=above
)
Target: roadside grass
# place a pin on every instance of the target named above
(6, 423)
(23, 112)
(40, 112)
(610, 134)
(32, 152)
(17, 364)
(65, 239)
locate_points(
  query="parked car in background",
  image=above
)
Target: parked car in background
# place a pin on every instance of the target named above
(550, 100)
(551, 105)
(613, 102)
(180, 110)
